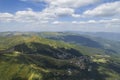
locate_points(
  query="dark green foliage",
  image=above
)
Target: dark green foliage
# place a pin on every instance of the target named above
(18, 78)
(38, 48)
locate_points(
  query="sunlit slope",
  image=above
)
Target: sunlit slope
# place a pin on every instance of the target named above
(9, 42)
(34, 58)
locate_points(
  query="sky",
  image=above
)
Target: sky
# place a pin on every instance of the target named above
(60, 15)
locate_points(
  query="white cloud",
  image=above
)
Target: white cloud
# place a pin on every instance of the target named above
(58, 11)
(6, 17)
(76, 15)
(110, 25)
(75, 22)
(111, 21)
(56, 22)
(57, 8)
(25, 16)
(28, 16)
(49, 17)
(66, 3)
(70, 3)
(106, 9)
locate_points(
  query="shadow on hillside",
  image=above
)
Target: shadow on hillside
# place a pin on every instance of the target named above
(79, 40)
(56, 59)
(38, 48)
(114, 67)
(77, 75)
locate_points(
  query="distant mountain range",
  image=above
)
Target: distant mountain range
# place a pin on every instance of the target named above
(104, 35)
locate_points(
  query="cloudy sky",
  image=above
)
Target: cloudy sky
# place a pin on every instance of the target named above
(60, 15)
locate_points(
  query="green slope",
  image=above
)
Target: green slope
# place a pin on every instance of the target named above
(34, 58)
(88, 42)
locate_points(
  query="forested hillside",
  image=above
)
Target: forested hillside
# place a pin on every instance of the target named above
(56, 56)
